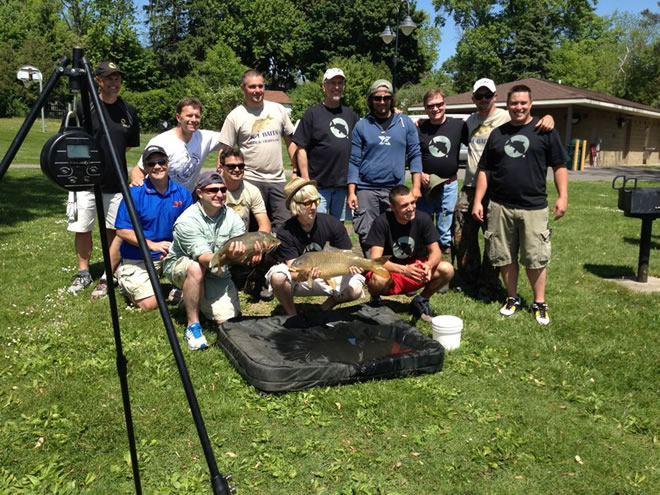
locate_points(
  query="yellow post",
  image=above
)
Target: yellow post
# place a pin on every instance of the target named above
(584, 153)
(575, 155)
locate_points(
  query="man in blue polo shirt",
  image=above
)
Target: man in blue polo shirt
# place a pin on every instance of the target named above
(159, 202)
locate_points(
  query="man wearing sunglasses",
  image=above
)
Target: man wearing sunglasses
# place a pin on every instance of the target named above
(198, 233)
(158, 201)
(382, 142)
(479, 277)
(307, 230)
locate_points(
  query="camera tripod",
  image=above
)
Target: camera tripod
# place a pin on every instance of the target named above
(81, 80)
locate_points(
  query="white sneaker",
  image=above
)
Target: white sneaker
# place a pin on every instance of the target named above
(195, 338)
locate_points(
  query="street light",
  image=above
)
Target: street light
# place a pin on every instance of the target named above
(406, 27)
(27, 74)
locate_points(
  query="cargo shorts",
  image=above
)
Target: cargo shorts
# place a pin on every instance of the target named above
(516, 233)
(133, 278)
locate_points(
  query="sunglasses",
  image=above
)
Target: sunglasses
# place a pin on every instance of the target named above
(308, 203)
(215, 190)
(234, 166)
(483, 96)
(435, 105)
(160, 162)
(381, 98)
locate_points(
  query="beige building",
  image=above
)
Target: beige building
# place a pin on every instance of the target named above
(617, 131)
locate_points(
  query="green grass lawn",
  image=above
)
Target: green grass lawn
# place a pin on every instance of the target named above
(518, 409)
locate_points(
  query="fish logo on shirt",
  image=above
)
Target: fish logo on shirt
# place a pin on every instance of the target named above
(339, 128)
(260, 125)
(516, 146)
(403, 247)
(440, 146)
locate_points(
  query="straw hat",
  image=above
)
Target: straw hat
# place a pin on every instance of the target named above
(434, 182)
(295, 185)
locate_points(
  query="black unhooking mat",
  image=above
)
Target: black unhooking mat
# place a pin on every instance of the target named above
(281, 353)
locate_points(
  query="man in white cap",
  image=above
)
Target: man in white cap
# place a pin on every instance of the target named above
(479, 277)
(323, 137)
(382, 142)
(122, 120)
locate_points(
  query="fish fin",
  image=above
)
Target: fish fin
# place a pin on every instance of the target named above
(331, 283)
(382, 259)
(382, 272)
(215, 261)
(337, 250)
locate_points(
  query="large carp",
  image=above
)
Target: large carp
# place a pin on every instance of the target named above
(334, 262)
(266, 241)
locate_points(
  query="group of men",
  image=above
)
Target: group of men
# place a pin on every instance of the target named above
(343, 166)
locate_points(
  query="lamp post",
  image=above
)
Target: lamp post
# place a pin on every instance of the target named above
(27, 74)
(406, 27)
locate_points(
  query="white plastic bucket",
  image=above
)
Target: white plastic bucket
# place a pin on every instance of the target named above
(447, 330)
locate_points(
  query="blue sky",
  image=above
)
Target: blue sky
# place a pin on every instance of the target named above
(451, 35)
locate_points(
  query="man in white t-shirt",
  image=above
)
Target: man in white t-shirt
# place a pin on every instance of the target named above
(257, 127)
(187, 146)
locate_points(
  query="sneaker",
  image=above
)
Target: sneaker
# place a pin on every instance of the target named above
(421, 308)
(101, 289)
(376, 302)
(540, 311)
(194, 337)
(175, 296)
(511, 306)
(266, 294)
(81, 282)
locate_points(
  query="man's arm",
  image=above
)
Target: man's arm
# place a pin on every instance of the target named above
(129, 236)
(561, 183)
(301, 156)
(546, 123)
(479, 193)
(137, 176)
(263, 222)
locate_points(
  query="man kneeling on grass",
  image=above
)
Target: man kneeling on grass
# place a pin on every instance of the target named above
(307, 231)
(198, 233)
(158, 202)
(416, 262)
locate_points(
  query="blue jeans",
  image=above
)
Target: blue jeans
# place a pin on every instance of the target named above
(333, 201)
(442, 207)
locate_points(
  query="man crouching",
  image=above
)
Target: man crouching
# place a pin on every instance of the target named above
(412, 240)
(307, 231)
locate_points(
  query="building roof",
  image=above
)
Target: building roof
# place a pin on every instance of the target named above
(277, 96)
(547, 93)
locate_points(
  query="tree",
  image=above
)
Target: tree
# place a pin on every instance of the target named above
(512, 39)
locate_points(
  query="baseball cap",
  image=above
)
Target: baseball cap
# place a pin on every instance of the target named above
(106, 68)
(209, 177)
(381, 85)
(334, 72)
(484, 82)
(151, 150)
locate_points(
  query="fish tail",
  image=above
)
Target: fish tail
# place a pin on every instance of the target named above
(382, 272)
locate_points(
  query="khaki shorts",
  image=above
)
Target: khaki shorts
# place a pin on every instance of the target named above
(133, 278)
(513, 233)
(81, 210)
(318, 287)
(220, 296)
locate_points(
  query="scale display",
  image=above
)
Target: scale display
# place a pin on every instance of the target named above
(72, 160)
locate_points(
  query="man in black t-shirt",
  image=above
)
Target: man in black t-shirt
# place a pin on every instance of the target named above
(124, 128)
(416, 263)
(323, 137)
(440, 139)
(513, 170)
(308, 231)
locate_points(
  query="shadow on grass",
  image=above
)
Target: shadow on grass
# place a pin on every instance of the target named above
(609, 271)
(23, 199)
(655, 244)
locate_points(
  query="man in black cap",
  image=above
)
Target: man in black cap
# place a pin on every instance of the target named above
(198, 233)
(122, 120)
(158, 201)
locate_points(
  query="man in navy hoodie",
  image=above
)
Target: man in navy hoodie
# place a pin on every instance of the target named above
(382, 142)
